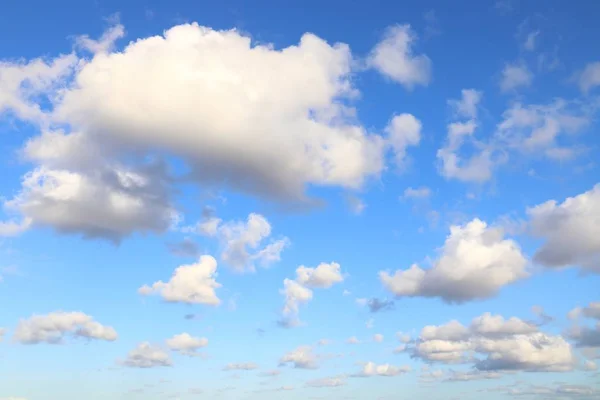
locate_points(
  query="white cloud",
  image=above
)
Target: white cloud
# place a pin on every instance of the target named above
(403, 131)
(106, 42)
(146, 355)
(372, 369)
(515, 76)
(393, 57)
(14, 228)
(589, 78)
(186, 344)
(191, 284)
(478, 167)
(475, 263)
(467, 105)
(504, 344)
(378, 337)
(323, 276)
(107, 204)
(302, 358)
(299, 291)
(53, 327)
(240, 367)
(571, 231)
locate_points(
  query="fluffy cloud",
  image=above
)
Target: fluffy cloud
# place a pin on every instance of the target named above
(377, 305)
(403, 131)
(515, 76)
(109, 204)
(146, 355)
(186, 344)
(394, 58)
(54, 327)
(240, 367)
(372, 369)
(299, 291)
(476, 262)
(302, 357)
(241, 242)
(191, 284)
(589, 78)
(477, 168)
(571, 231)
(493, 343)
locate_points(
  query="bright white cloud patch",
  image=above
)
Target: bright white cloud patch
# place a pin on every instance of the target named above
(303, 358)
(493, 343)
(192, 284)
(571, 231)
(394, 58)
(515, 76)
(372, 369)
(477, 167)
(146, 355)
(475, 263)
(299, 291)
(54, 327)
(403, 131)
(186, 344)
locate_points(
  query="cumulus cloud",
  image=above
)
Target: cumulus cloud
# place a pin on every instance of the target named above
(186, 344)
(403, 131)
(191, 284)
(54, 327)
(394, 58)
(371, 369)
(468, 104)
(302, 357)
(377, 305)
(476, 262)
(229, 102)
(571, 231)
(299, 291)
(146, 355)
(493, 343)
(515, 76)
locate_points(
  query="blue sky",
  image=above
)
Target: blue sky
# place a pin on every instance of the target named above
(392, 200)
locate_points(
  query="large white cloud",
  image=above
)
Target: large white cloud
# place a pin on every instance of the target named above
(146, 355)
(571, 231)
(191, 284)
(250, 117)
(475, 263)
(394, 58)
(54, 327)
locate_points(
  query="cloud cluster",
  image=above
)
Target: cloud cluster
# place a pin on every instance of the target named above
(191, 284)
(186, 344)
(299, 291)
(52, 328)
(476, 262)
(371, 369)
(242, 242)
(302, 357)
(493, 343)
(146, 355)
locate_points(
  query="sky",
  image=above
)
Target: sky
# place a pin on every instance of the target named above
(265, 200)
